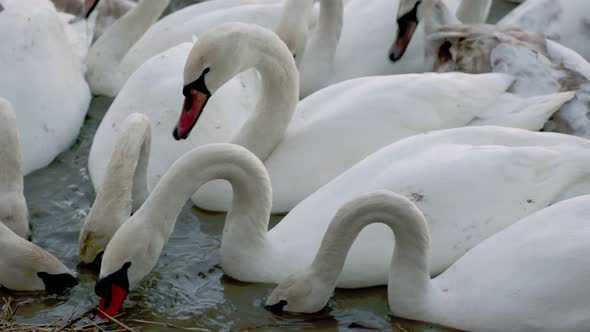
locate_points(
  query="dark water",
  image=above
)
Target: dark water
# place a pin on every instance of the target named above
(187, 288)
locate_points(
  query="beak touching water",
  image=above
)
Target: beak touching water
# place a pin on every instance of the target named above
(406, 27)
(112, 290)
(196, 96)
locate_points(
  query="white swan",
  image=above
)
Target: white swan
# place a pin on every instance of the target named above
(563, 21)
(351, 41)
(529, 277)
(539, 65)
(127, 45)
(13, 206)
(43, 79)
(497, 174)
(335, 127)
(23, 265)
(124, 188)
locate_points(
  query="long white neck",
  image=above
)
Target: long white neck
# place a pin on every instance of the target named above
(294, 24)
(317, 65)
(105, 55)
(125, 187)
(409, 279)
(249, 214)
(11, 177)
(474, 11)
(279, 96)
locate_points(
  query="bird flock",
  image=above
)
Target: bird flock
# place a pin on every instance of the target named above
(408, 143)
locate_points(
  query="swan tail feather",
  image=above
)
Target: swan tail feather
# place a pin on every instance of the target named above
(518, 112)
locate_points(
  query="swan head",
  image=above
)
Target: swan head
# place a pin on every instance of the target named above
(407, 22)
(130, 256)
(216, 57)
(14, 213)
(302, 292)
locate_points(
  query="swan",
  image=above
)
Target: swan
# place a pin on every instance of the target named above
(498, 174)
(126, 45)
(530, 276)
(23, 265)
(351, 41)
(539, 65)
(13, 206)
(49, 111)
(294, 139)
(124, 188)
(563, 21)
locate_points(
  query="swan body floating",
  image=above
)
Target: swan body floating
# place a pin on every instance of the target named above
(48, 110)
(23, 265)
(539, 65)
(125, 46)
(471, 182)
(123, 190)
(305, 145)
(512, 281)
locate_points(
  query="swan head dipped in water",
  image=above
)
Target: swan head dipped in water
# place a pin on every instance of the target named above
(123, 190)
(303, 292)
(309, 290)
(218, 56)
(136, 246)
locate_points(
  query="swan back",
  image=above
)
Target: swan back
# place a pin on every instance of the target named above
(13, 206)
(123, 190)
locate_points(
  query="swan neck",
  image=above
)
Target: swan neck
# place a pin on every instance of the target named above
(249, 213)
(329, 25)
(11, 177)
(410, 261)
(278, 98)
(437, 14)
(125, 187)
(109, 50)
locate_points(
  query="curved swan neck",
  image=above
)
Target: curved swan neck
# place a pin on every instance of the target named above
(107, 52)
(293, 26)
(410, 262)
(249, 214)
(279, 94)
(124, 187)
(11, 177)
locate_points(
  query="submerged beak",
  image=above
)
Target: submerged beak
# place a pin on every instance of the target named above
(406, 27)
(194, 103)
(113, 302)
(276, 308)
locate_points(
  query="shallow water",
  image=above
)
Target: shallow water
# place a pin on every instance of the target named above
(187, 288)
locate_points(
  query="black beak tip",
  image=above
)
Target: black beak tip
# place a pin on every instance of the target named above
(276, 308)
(175, 134)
